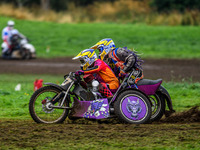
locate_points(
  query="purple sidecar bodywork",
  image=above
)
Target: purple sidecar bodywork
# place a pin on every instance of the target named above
(149, 87)
(96, 109)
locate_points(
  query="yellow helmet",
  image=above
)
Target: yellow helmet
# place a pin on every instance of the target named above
(87, 58)
(104, 46)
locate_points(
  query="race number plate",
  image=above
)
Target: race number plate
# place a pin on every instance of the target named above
(67, 80)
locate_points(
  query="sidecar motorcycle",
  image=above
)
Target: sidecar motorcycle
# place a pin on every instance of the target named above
(74, 99)
(21, 49)
(133, 102)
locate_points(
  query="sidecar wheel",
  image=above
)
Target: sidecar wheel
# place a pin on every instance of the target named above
(132, 107)
(39, 109)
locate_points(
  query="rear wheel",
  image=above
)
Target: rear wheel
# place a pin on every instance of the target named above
(40, 106)
(132, 107)
(157, 106)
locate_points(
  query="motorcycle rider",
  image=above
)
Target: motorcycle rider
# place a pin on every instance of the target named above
(91, 65)
(7, 34)
(121, 60)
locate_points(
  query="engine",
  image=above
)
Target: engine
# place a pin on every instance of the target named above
(94, 88)
(89, 89)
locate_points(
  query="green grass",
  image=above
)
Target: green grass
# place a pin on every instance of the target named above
(150, 41)
(184, 95)
(14, 104)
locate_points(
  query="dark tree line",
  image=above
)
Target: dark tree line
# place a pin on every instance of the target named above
(44, 4)
(57, 5)
(60, 5)
(179, 5)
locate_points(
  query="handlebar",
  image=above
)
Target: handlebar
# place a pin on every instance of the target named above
(73, 76)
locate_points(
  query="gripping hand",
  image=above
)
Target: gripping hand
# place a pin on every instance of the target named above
(80, 72)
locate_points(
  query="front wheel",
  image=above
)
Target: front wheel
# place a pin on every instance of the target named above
(132, 107)
(40, 106)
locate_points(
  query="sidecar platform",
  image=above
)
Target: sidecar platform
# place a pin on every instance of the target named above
(96, 109)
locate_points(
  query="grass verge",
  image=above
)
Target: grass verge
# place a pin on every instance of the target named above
(150, 41)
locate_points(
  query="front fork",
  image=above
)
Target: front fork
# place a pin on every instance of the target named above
(55, 99)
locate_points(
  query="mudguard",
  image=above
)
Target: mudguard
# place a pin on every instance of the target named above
(149, 87)
(167, 97)
(64, 86)
(55, 85)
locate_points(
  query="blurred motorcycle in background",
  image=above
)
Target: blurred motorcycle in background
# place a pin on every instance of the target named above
(20, 49)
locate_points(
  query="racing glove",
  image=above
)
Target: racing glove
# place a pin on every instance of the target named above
(80, 72)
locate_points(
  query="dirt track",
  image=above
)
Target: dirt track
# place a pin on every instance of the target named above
(179, 131)
(168, 70)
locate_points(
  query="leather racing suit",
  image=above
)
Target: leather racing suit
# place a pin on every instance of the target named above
(108, 81)
(124, 59)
